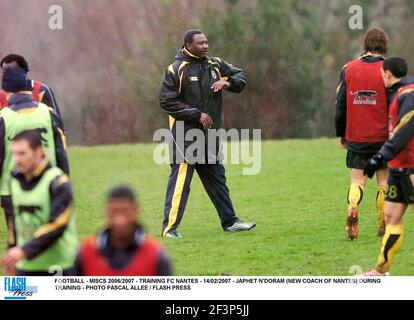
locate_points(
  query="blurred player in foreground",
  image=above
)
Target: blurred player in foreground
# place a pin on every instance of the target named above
(361, 124)
(46, 239)
(399, 152)
(123, 249)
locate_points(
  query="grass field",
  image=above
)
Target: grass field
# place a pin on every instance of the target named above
(298, 202)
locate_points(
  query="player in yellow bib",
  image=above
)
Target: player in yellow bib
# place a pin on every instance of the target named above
(23, 113)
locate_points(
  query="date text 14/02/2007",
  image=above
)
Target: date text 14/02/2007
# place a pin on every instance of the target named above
(219, 309)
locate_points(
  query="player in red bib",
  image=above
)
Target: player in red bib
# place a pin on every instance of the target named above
(123, 249)
(361, 124)
(399, 152)
(40, 91)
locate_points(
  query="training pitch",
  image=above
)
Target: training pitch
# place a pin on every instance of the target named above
(298, 202)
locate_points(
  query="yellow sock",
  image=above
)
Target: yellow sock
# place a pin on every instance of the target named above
(380, 207)
(355, 195)
(394, 234)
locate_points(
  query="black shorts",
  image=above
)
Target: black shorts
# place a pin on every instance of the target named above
(356, 160)
(400, 188)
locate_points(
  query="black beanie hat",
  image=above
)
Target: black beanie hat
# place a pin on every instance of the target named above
(14, 80)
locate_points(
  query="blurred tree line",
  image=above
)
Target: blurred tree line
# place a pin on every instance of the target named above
(106, 65)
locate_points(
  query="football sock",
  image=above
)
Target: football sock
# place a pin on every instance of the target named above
(393, 238)
(380, 207)
(355, 195)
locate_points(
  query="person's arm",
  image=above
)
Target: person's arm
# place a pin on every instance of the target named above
(60, 215)
(49, 99)
(404, 130)
(62, 160)
(236, 77)
(2, 150)
(10, 219)
(164, 266)
(340, 116)
(6, 204)
(170, 97)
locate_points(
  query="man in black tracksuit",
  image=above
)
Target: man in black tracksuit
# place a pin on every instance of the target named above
(191, 93)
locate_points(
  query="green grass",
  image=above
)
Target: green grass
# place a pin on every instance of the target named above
(298, 202)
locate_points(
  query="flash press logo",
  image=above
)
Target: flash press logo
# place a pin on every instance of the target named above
(16, 288)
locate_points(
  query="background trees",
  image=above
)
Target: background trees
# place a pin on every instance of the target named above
(106, 64)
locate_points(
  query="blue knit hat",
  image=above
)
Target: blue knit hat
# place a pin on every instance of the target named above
(14, 80)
